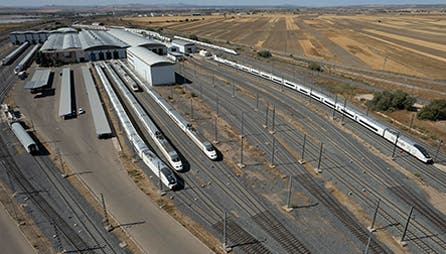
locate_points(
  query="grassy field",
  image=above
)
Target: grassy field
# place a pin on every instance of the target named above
(409, 44)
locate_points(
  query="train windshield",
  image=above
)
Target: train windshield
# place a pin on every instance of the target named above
(422, 150)
(208, 146)
(169, 175)
(175, 158)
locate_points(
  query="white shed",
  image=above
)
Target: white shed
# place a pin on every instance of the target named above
(185, 47)
(155, 69)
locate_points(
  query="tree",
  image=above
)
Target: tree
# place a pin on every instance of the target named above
(391, 101)
(264, 53)
(315, 66)
(434, 111)
(193, 37)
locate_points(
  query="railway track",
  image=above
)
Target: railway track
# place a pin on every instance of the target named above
(209, 211)
(242, 199)
(39, 201)
(332, 205)
(423, 246)
(95, 233)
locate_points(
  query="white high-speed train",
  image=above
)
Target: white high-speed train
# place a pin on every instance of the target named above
(205, 146)
(26, 60)
(158, 167)
(166, 148)
(390, 135)
(14, 54)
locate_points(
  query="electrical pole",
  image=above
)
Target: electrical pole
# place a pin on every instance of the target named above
(394, 145)
(266, 116)
(402, 242)
(318, 169)
(334, 107)
(215, 130)
(274, 120)
(241, 165)
(288, 201)
(372, 227)
(302, 160)
(273, 153)
(233, 90)
(217, 106)
(257, 101)
(343, 110)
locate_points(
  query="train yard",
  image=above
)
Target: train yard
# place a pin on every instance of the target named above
(246, 157)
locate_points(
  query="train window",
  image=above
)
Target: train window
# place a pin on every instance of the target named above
(315, 96)
(368, 125)
(329, 103)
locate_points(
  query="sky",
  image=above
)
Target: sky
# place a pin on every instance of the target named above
(218, 2)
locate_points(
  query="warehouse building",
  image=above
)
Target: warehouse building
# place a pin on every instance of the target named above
(184, 47)
(34, 37)
(135, 40)
(155, 69)
(87, 45)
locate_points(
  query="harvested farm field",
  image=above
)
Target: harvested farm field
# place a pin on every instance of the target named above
(407, 44)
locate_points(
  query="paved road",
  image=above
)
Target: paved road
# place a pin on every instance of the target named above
(11, 238)
(98, 165)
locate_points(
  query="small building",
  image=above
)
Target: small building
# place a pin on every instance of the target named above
(40, 81)
(155, 69)
(184, 47)
(175, 56)
(66, 109)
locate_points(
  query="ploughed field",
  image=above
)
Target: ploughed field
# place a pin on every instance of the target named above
(409, 44)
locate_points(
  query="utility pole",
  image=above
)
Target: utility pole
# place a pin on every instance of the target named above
(288, 207)
(438, 150)
(217, 106)
(257, 100)
(274, 120)
(318, 169)
(273, 153)
(394, 145)
(266, 116)
(402, 242)
(233, 90)
(302, 160)
(215, 131)
(372, 227)
(334, 107)
(241, 165)
(343, 110)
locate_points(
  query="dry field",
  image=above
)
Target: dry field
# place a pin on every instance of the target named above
(409, 44)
